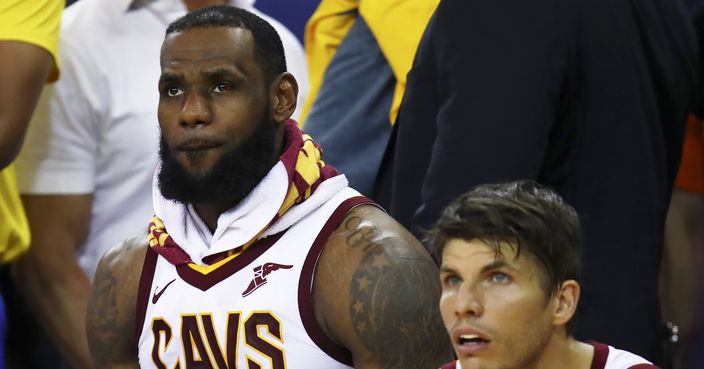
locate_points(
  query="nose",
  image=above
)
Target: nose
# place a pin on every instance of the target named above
(195, 110)
(469, 302)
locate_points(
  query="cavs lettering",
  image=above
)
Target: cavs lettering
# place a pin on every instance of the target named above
(260, 333)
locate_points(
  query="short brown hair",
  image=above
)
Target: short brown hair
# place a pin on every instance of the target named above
(525, 214)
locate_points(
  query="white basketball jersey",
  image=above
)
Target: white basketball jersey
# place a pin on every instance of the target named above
(251, 312)
(613, 358)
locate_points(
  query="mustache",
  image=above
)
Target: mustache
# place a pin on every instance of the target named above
(236, 172)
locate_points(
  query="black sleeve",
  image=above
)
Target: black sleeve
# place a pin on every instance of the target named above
(698, 101)
(501, 68)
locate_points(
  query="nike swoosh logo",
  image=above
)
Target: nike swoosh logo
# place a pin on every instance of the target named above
(157, 295)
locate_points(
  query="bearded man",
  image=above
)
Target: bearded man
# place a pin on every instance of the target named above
(259, 254)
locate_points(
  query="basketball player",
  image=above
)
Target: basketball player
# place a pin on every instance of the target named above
(511, 256)
(259, 255)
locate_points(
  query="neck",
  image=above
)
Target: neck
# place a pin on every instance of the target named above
(210, 213)
(566, 352)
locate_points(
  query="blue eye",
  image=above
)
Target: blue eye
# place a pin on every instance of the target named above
(500, 278)
(453, 280)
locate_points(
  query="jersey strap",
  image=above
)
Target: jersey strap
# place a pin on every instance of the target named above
(305, 287)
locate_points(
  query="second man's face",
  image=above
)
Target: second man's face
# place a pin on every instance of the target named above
(493, 306)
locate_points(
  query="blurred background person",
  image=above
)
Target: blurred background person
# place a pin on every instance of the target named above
(359, 52)
(28, 48)
(682, 268)
(683, 255)
(29, 32)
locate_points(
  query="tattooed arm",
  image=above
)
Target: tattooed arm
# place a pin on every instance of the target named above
(376, 292)
(110, 321)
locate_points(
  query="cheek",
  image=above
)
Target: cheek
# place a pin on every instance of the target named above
(447, 308)
(527, 316)
(165, 115)
(236, 120)
(168, 116)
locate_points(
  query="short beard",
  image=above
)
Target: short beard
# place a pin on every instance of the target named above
(231, 179)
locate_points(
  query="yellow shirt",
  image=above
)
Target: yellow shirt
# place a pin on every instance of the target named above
(14, 230)
(397, 26)
(35, 22)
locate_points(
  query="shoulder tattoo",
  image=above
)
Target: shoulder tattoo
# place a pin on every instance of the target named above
(102, 319)
(394, 300)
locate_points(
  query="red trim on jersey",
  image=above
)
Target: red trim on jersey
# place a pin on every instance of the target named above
(305, 284)
(601, 353)
(205, 281)
(450, 365)
(145, 287)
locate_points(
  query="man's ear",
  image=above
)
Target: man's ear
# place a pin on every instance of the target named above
(284, 90)
(567, 298)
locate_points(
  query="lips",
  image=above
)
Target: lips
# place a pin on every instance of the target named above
(198, 144)
(469, 341)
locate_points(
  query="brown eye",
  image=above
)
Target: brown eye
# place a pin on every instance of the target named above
(222, 87)
(173, 91)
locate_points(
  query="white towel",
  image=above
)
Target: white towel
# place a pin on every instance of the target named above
(244, 221)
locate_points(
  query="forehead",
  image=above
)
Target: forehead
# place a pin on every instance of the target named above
(471, 256)
(208, 46)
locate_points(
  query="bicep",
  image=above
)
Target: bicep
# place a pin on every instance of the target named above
(388, 314)
(110, 318)
(25, 69)
(394, 314)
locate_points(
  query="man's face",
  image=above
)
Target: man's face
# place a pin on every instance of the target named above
(493, 306)
(214, 114)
